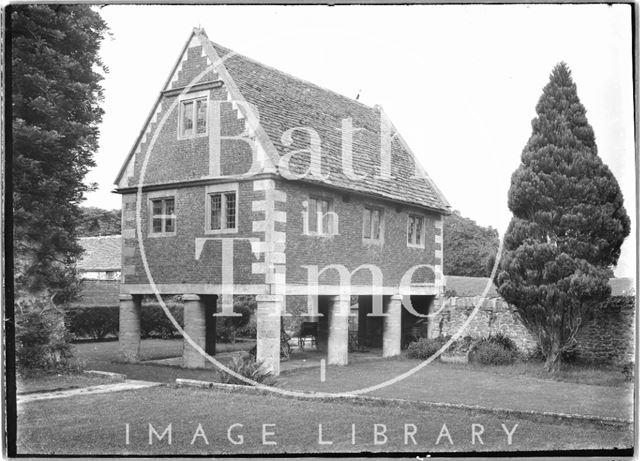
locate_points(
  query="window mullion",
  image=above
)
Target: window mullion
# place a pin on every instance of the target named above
(163, 218)
(223, 211)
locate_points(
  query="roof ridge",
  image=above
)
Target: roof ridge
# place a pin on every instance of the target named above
(307, 82)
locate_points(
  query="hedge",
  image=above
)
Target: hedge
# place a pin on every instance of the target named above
(93, 322)
(98, 323)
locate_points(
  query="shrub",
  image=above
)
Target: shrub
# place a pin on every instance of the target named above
(227, 328)
(568, 356)
(43, 342)
(461, 345)
(504, 341)
(536, 354)
(426, 347)
(495, 354)
(93, 322)
(247, 367)
(250, 329)
(493, 351)
(155, 323)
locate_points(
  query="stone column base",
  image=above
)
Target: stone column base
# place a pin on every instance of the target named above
(268, 334)
(195, 328)
(392, 326)
(129, 336)
(338, 343)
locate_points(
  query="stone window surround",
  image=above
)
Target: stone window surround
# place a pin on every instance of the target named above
(330, 209)
(186, 97)
(371, 240)
(422, 230)
(162, 194)
(220, 189)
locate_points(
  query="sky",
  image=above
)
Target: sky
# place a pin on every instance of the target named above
(460, 82)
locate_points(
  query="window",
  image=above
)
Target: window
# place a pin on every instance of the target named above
(320, 217)
(193, 117)
(415, 231)
(163, 216)
(222, 211)
(372, 226)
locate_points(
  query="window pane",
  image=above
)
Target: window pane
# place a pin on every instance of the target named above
(187, 118)
(169, 206)
(157, 225)
(231, 210)
(326, 217)
(157, 207)
(410, 230)
(375, 222)
(418, 230)
(201, 114)
(367, 223)
(216, 209)
(168, 227)
(313, 216)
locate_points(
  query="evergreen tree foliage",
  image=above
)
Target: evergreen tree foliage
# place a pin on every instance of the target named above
(96, 221)
(55, 95)
(568, 223)
(469, 249)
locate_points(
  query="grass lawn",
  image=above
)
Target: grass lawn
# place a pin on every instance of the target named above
(522, 386)
(55, 382)
(598, 375)
(65, 427)
(470, 385)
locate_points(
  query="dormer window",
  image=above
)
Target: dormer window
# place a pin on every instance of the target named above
(193, 117)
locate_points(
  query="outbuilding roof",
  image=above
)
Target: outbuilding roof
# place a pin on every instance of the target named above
(100, 253)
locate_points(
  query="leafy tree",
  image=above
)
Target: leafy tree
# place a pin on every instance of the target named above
(568, 223)
(55, 91)
(469, 249)
(96, 221)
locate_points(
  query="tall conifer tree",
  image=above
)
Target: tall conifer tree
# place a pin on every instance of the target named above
(55, 95)
(568, 223)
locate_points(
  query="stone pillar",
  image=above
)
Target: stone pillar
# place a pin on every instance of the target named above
(338, 343)
(268, 334)
(129, 336)
(392, 326)
(195, 327)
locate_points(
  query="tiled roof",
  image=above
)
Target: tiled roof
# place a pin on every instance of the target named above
(101, 253)
(98, 293)
(285, 102)
(474, 286)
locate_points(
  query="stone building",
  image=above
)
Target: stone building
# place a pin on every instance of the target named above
(247, 180)
(99, 270)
